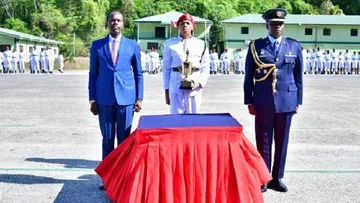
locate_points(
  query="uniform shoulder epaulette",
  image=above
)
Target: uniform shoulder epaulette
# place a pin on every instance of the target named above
(292, 39)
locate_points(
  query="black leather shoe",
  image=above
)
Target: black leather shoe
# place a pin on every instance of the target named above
(102, 187)
(277, 185)
(264, 188)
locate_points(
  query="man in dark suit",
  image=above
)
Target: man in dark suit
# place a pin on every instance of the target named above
(115, 83)
(273, 91)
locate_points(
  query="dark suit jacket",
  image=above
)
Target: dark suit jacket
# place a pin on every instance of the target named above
(110, 83)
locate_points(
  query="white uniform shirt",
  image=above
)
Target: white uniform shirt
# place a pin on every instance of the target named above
(354, 57)
(35, 55)
(61, 59)
(143, 57)
(15, 56)
(42, 55)
(224, 57)
(319, 55)
(215, 57)
(174, 54)
(328, 57)
(236, 56)
(21, 56)
(8, 56)
(334, 56)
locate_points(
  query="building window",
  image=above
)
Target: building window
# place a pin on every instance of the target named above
(152, 44)
(308, 31)
(160, 32)
(3, 47)
(244, 30)
(326, 32)
(354, 32)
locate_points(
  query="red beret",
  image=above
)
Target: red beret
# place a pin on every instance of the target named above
(186, 16)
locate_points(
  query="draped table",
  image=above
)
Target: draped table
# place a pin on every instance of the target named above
(189, 158)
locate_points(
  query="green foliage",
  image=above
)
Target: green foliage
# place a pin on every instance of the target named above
(16, 24)
(85, 19)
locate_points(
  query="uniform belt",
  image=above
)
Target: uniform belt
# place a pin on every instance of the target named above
(177, 69)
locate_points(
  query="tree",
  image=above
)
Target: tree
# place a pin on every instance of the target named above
(16, 24)
(325, 7)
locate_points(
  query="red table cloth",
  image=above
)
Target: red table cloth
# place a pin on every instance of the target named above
(191, 158)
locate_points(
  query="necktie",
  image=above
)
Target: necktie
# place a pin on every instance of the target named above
(276, 46)
(114, 51)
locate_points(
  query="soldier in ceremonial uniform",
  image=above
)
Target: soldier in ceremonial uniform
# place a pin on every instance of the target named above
(214, 57)
(176, 51)
(341, 63)
(1, 61)
(273, 91)
(61, 62)
(225, 60)
(7, 59)
(347, 63)
(334, 62)
(353, 62)
(22, 60)
(14, 62)
(327, 62)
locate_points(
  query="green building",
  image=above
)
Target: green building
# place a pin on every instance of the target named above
(153, 31)
(19, 40)
(325, 31)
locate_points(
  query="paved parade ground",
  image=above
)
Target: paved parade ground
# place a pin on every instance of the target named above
(50, 143)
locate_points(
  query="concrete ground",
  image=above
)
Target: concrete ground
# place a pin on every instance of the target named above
(50, 143)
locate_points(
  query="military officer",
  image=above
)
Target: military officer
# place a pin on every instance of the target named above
(307, 62)
(358, 64)
(313, 61)
(1, 61)
(225, 60)
(347, 63)
(176, 51)
(354, 58)
(42, 60)
(341, 63)
(273, 91)
(241, 61)
(327, 62)
(214, 61)
(236, 60)
(61, 62)
(22, 60)
(14, 62)
(334, 61)
(35, 60)
(319, 61)
(49, 60)
(143, 60)
(7, 59)
(152, 61)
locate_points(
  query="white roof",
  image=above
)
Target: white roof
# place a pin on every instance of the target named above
(166, 18)
(24, 36)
